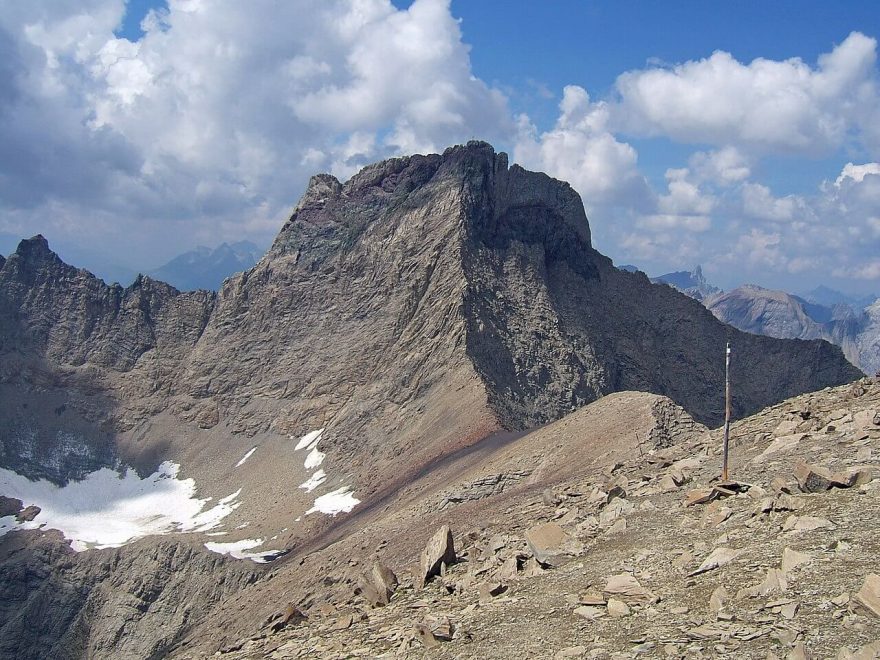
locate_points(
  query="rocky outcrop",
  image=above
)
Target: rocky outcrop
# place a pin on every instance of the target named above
(134, 602)
(74, 349)
(423, 285)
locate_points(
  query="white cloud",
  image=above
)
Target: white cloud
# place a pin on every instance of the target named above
(764, 106)
(579, 149)
(869, 270)
(722, 167)
(856, 172)
(759, 202)
(214, 120)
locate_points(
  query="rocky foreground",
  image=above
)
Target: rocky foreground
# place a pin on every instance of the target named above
(638, 555)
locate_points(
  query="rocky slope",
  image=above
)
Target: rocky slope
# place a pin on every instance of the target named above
(428, 308)
(633, 550)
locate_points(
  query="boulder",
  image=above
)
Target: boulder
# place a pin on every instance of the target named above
(814, 479)
(378, 585)
(438, 553)
(773, 582)
(550, 545)
(626, 588)
(700, 496)
(291, 616)
(489, 590)
(868, 597)
(440, 626)
(719, 557)
(617, 608)
(9, 506)
(791, 559)
(718, 600)
(28, 513)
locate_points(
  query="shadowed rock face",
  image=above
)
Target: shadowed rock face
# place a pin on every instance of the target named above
(55, 603)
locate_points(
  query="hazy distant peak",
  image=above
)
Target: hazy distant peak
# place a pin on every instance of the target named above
(206, 268)
(693, 282)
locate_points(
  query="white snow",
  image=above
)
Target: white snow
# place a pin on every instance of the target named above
(245, 457)
(308, 439)
(239, 550)
(314, 459)
(107, 509)
(314, 481)
(341, 500)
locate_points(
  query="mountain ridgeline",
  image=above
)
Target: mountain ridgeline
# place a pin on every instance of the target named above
(424, 304)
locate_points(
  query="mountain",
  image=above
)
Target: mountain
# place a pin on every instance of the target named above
(827, 297)
(427, 311)
(778, 314)
(206, 268)
(692, 283)
(629, 268)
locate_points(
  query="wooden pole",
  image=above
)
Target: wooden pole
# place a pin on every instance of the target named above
(724, 475)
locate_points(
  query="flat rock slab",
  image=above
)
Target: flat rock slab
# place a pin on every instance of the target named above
(550, 545)
(626, 588)
(868, 597)
(791, 559)
(719, 557)
(814, 479)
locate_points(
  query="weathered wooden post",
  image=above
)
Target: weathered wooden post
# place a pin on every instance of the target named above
(724, 475)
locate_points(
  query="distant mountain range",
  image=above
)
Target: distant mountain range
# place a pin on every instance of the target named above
(852, 323)
(206, 268)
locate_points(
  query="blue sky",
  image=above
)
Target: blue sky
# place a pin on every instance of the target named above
(744, 136)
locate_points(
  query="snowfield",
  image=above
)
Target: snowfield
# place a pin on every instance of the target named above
(107, 510)
(239, 550)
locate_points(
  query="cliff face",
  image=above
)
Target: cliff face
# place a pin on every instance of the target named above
(133, 602)
(74, 350)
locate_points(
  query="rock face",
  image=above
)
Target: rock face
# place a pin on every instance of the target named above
(779, 314)
(55, 603)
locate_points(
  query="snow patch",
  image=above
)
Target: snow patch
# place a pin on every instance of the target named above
(314, 481)
(108, 509)
(341, 500)
(239, 550)
(314, 459)
(308, 439)
(245, 457)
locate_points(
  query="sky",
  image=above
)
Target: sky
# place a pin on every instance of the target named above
(741, 136)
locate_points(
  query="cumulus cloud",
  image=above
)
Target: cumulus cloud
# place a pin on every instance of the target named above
(581, 150)
(208, 127)
(759, 202)
(856, 172)
(722, 167)
(764, 106)
(211, 123)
